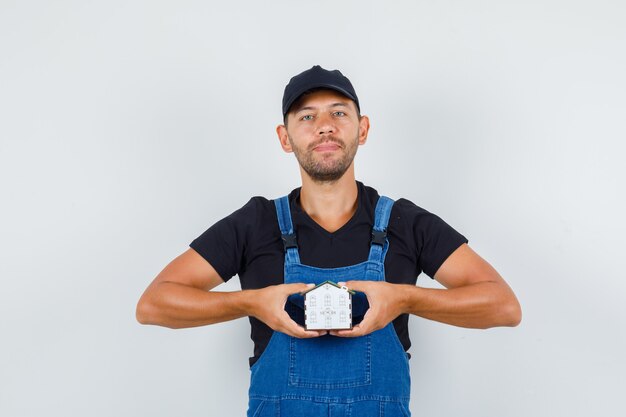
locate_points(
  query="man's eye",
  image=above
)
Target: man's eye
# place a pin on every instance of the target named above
(307, 117)
(339, 113)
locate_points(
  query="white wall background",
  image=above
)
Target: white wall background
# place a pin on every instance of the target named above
(129, 127)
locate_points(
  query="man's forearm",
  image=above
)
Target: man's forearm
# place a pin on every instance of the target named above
(480, 305)
(177, 306)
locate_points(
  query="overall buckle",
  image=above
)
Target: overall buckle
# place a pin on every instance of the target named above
(289, 241)
(379, 237)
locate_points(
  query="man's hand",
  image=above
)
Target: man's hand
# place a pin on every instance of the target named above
(268, 305)
(386, 303)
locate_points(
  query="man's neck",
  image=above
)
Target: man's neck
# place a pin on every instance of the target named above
(331, 205)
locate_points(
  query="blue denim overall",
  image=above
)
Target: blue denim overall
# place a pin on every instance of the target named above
(365, 376)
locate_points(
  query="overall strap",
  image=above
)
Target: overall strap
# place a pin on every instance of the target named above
(379, 243)
(286, 229)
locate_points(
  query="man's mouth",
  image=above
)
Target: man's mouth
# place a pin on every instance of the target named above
(325, 147)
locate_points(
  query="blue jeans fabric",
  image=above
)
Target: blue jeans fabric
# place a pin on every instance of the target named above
(330, 375)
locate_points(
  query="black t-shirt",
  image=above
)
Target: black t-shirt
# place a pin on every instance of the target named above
(248, 243)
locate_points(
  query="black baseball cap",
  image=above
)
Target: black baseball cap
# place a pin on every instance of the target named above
(317, 77)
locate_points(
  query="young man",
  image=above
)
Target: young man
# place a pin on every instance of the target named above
(332, 228)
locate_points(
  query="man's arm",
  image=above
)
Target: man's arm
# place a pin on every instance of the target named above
(476, 296)
(180, 296)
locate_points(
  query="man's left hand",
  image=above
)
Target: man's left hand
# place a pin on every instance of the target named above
(386, 303)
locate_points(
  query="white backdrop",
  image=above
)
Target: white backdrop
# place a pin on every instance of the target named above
(129, 127)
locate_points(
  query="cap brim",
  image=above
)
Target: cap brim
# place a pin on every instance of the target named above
(308, 87)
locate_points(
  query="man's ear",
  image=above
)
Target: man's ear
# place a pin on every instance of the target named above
(364, 127)
(283, 137)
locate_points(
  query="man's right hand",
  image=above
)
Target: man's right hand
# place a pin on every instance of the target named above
(180, 296)
(268, 305)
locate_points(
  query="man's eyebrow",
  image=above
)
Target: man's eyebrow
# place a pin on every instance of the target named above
(337, 104)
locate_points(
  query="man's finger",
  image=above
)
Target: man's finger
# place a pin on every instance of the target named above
(292, 328)
(358, 285)
(356, 331)
(297, 287)
(298, 331)
(361, 329)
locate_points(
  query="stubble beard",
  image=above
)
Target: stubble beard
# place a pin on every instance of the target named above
(323, 167)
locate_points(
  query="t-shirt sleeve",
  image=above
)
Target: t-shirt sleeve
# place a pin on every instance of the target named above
(435, 239)
(224, 244)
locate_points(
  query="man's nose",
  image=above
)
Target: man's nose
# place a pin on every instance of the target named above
(325, 124)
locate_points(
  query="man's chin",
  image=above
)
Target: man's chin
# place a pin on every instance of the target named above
(326, 176)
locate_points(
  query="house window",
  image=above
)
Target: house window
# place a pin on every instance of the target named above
(342, 300)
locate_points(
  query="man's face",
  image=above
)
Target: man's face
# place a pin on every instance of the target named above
(324, 131)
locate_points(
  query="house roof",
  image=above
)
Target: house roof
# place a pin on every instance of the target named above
(328, 282)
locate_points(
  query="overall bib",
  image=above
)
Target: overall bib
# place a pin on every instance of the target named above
(365, 376)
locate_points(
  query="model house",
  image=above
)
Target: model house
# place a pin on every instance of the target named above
(328, 306)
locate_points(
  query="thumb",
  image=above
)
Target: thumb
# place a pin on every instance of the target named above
(356, 285)
(298, 287)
